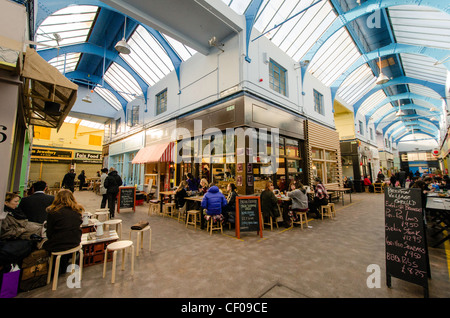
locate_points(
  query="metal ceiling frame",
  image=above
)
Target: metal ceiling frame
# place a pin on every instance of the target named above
(408, 106)
(52, 6)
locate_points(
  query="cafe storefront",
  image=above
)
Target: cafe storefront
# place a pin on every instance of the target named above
(244, 141)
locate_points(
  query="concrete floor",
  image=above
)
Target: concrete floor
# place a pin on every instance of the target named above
(329, 260)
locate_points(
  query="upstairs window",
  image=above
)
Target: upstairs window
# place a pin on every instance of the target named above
(361, 128)
(318, 103)
(277, 75)
(133, 116)
(161, 102)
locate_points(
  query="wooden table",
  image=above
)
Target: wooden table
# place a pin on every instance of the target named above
(341, 190)
(94, 246)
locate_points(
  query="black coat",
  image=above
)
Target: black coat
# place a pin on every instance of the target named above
(63, 230)
(269, 204)
(112, 182)
(34, 206)
(68, 181)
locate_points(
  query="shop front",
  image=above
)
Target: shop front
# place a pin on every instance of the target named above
(51, 164)
(244, 141)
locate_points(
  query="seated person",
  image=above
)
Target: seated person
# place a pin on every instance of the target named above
(15, 226)
(320, 198)
(63, 225)
(229, 211)
(368, 183)
(299, 199)
(34, 206)
(203, 186)
(181, 194)
(269, 203)
(213, 202)
(192, 182)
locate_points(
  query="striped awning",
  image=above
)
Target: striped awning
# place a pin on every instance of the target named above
(154, 153)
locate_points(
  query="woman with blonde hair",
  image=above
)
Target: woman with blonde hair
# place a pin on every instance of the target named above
(181, 194)
(63, 223)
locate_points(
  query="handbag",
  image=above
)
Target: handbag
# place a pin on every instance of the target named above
(10, 283)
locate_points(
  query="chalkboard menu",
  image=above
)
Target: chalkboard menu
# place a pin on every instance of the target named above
(248, 215)
(127, 198)
(406, 247)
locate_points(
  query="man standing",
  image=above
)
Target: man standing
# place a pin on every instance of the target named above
(102, 187)
(112, 183)
(34, 206)
(69, 181)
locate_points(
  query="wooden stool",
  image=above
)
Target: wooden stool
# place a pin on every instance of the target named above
(117, 223)
(301, 214)
(119, 245)
(328, 210)
(168, 208)
(270, 223)
(332, 209)
(102, 214)
(210, 226)
(72, 251)
(153, 207)
(192, 214)
(140, 238)
(182, 213)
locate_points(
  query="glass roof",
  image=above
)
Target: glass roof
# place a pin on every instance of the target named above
(73, 25)
(83, 122)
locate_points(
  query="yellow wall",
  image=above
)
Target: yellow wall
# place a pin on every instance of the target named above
(344, 121)
(69, 136)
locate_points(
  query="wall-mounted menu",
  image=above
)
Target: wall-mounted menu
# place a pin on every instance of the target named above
(127, 198)
(406, 248)
(248, 215)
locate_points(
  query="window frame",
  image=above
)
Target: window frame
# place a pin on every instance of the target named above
(161, 102)
(278, 85)
(318, 102)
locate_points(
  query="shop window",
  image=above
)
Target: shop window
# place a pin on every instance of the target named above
(277, 78)
(161, 102)
(318, 103)
(324, 165)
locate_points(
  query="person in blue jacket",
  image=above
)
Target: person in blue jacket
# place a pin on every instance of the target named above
(213, 202)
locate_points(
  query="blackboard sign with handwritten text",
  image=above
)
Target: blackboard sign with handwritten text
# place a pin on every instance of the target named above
(248, 215)
(405, 241)
(127, 198)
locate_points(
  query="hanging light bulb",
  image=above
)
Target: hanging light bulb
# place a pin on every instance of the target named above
(87, 98)
(400, 112)
(382, 79)
(122, 46)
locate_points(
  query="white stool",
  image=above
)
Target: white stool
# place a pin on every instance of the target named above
(140, 238)
(104, 215)
(72, 251)
(118, 225)
(114, 247)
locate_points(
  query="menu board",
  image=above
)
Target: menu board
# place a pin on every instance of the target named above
(127, 198)
(248, 215)
(405, 240)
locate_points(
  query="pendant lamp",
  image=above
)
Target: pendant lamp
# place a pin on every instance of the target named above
(122, 46)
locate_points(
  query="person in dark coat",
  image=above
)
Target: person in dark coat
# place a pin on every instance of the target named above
(181, 194)
(112, 183)
(69, 181)
(269, 203)
(229, 211)
(213, 202)
(34, 206)
(82, 178)
(63, 226)
(192, 182)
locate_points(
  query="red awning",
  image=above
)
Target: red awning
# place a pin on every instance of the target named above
(155, 153)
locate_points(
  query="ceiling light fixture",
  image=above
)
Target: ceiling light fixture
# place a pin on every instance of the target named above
(122, 46)
(382, 79)
(87, 98)
(400, 112)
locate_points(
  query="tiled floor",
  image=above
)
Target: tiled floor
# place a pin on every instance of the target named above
(328, 260)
